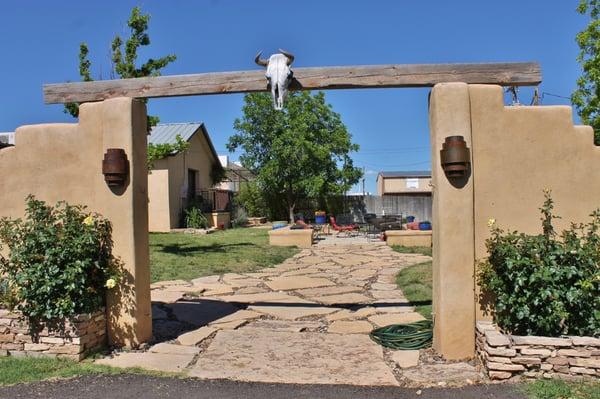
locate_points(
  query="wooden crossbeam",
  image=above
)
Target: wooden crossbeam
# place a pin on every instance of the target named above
(321, 78)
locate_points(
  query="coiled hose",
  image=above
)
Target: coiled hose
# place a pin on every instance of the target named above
(415, 335)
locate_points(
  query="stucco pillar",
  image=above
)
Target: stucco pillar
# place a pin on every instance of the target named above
(453, 242)
(123, 125)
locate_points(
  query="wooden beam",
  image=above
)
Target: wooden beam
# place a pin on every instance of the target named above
(321, 78)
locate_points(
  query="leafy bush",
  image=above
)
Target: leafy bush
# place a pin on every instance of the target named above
(240, 218)
(251, 198)
(194, 218)
(59, 261)
(544, 284)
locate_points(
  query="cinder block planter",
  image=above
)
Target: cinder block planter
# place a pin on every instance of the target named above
(509, 356)
(286, 237)
(78, 338)
(408, 238)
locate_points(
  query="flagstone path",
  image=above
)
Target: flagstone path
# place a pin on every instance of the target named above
(305, 320)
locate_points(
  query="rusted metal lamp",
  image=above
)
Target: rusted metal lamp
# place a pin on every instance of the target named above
(115, 167)
(455, 156)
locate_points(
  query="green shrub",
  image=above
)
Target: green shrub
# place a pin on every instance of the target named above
(240, 218)
(59, 261)
(544, 284)
(251, 198)
(195, 219)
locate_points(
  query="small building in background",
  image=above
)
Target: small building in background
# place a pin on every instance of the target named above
(404, 183)
(7, 139)
(185, 178)
(236, 175)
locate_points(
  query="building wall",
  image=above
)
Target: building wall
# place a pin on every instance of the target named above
(171, 188)
(518, 151)
(58, 162)
(396, 185)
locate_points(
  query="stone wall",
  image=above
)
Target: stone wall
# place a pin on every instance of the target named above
(509, 356)
(80, 336)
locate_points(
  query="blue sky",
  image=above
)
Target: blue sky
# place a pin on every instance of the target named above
(39, 43)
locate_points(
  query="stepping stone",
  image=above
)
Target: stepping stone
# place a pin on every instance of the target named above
(435, 373)
(348, 314)
(239, 315)
(383, 320)
(169, 283)
(293, 312)
(300, 272)
(281, 325)
(406, 359)
(268, 297)
(206, 280)
(213, 289)
(383, 287)
(200, 313)
(258, 355)
(350, 298)
(297, 282)
(230, 325)
(149, 361)
(350, 327)
(338, 289)
(245, 282)
(395, 295)
(172, 349)
(193, 338)
(158, 313)
(165, 296)
(251, 290)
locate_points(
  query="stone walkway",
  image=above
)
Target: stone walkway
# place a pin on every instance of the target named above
(304, 321)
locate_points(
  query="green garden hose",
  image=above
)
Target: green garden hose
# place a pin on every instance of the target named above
(415, 335)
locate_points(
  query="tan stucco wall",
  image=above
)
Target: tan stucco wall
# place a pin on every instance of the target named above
(64, 162)
(409, 238)
(159, 216)
(520, 150)
(218, 219)
(453, 247)
(394, 185)
(285, 237)
(198, 157)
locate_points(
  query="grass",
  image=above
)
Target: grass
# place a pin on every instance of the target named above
(29, 369)
(416, 281)
(186, 256)
(557, 389)
(412, 250)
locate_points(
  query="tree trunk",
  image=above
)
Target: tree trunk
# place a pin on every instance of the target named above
(291, 213)
(291, 203)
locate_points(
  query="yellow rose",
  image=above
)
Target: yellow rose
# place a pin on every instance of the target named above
(491, 222)
(110, 283)
(88, 221)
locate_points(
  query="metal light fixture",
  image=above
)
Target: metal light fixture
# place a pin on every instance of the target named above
(455, 157)
(115, 167)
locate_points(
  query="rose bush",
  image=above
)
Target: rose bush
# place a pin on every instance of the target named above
(544, 284)
(57, 261)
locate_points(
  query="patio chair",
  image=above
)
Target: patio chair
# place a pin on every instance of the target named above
(342, 229)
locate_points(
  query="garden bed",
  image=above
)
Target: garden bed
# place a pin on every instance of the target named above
(75, 340)
(507, 356)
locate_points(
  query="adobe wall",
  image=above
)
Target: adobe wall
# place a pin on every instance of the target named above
(64, 162)
(518, 151)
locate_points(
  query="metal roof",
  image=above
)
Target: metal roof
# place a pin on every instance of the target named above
(165, 133)
(406, 173)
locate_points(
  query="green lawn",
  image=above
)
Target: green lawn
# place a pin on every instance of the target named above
(556, 389)
(416, 280)
(187, 256)
(28, 369)
(412, 250)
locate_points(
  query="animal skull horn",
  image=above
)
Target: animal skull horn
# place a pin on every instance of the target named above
(288, 55)
(261, 61)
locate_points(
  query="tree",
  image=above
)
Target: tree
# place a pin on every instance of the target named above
(300, 151)
(124, 66)
(586, 98)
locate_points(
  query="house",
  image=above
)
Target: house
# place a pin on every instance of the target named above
(185, 178)
(7, 139)
(236, 175)
(404, 183)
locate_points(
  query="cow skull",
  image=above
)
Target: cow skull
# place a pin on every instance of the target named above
(278, 74)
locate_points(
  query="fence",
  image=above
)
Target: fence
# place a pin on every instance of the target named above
(417, 205)
(215, 200)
